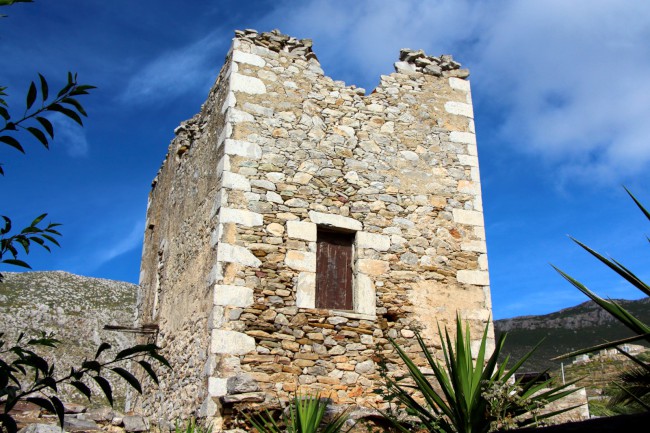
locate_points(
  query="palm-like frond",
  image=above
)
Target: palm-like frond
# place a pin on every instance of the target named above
(461, 405)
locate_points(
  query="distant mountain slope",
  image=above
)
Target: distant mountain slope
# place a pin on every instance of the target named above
(73, 308)
(564, 331)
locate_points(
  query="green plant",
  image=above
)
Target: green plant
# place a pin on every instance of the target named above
(305, 414)
(475, 396)
(634, 384)
(191, 426)
(26, 374)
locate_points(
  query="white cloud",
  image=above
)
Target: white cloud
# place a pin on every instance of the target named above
(69, 135)
(568, 78)
(124, 243)
(176, 72)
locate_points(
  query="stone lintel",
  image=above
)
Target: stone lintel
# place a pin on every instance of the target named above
(333, 220)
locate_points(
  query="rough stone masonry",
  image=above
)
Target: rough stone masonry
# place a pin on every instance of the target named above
(280, 160)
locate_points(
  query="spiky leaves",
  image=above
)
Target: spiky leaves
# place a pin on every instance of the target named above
(463, 404)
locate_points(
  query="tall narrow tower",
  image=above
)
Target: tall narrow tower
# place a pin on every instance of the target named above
(297, 222)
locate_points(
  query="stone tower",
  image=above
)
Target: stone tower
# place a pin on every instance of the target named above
(296, 222)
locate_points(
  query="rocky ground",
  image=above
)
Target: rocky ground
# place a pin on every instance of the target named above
(74, 309)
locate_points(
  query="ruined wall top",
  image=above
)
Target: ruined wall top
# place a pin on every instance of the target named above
(410, 61)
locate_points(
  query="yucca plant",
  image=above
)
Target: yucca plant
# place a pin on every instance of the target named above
(635, 383)
(476, 395)
(305, 415)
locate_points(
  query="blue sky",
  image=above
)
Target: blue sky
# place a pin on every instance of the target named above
(561, 98)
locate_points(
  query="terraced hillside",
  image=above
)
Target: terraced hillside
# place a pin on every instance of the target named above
(73, 308)
(564, 331)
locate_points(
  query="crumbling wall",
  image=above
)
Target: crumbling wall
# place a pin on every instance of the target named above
(294, 151)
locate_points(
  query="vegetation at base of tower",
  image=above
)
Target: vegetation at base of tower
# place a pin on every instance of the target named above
(191, 426)
(305, 414)
(475, 395)
(634, 384)
(24, 373)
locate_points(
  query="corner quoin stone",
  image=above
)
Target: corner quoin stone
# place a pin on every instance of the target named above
(231, 342)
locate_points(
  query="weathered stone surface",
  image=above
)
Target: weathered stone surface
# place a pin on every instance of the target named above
(337, 221)
(72, 423)
(242, 383)
(234, 296)
(135, 423)
(299, 154)
(41, 428)
(231, 342)
(301, 230)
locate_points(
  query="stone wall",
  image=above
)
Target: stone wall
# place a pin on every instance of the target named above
(278, 151)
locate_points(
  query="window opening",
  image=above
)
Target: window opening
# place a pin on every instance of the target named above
(334, 259)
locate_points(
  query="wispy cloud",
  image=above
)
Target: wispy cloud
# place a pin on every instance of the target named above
(176, 72)
(568, 77)
(124, 243)
(69, 135)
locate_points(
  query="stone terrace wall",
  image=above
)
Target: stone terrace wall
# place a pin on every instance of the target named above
(295, 151)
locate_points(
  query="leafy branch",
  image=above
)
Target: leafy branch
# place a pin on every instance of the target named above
(33, 119)
(30, 376)
(30, 234)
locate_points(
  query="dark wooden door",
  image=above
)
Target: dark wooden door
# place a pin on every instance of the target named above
(334, 270)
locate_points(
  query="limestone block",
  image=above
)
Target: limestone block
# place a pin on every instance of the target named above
(235, 181)
(476, 246)
(479, 232)
(249, 59)
(306, 290)
(472, 161)
(243, 148)
(472, 150)
(217, 386)
(459, 108)
(301, 230)
(469, 217)
(483, 262)
(274, 197)
(246, 84)
(223, 165)
(238, 116)
(405, 68)
(459, 84)
(225, 133)
(374, 241)
(229, 102)
(462, 137)
(239, 216)
(233, 296)
(301, 260)
(231, 342)
(373, 267)
(364, 301)
(236, 254)
(335, 221)
(477, 278)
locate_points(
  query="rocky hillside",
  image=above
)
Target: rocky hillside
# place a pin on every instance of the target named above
(566, 330)
(73, 308)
